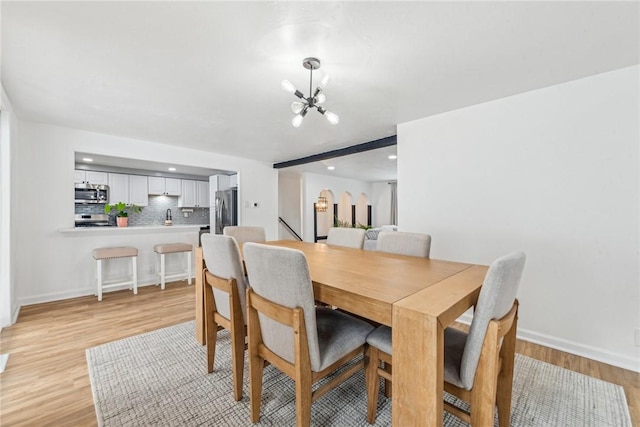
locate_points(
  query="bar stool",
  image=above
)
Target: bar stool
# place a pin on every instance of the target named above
(101, 254)
(172, 248)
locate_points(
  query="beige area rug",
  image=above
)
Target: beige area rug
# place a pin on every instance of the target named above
(159, 379)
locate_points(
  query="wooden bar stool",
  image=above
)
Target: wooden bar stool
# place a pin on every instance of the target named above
(172, 248)
(101, 254)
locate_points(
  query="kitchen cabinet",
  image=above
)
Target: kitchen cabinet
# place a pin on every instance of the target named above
(202, 194)
(130, 189)
(91, 177)
(138, 190)
(194, 194)
(165, 186)
(233, 181)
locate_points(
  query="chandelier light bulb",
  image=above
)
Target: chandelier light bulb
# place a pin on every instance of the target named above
(325, 81)
(320, 98)
(288, 86)
(296, 107)
(332, 117)
(297, 120)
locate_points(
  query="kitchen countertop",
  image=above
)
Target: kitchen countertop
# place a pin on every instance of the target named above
(135, 229)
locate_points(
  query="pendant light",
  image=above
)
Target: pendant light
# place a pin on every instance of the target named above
(315, 99)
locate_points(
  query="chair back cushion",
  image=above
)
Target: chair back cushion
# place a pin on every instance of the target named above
(222, 256)
(281, 275)
(497, 296)
(347, 237)
(397, 242)
(244, 234)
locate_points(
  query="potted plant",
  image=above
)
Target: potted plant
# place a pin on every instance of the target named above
(122, 216)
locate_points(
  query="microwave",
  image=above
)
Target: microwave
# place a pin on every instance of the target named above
(91, 193)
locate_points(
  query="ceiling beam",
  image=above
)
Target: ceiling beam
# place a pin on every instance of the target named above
(366, 146)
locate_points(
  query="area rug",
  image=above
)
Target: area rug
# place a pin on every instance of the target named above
(159, 379)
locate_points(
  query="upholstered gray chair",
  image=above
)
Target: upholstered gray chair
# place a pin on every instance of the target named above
(224, 301)
(478, 366)
(243, 233)
(285, 328)
(401, 243)
(347, 237)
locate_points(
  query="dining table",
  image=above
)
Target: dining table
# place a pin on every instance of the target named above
(417, 297)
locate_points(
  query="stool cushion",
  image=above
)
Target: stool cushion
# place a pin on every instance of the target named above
(117, 252)
(169, 248)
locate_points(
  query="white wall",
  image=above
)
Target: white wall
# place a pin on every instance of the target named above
(48, 267)
(290, 203)
(313, 184)
(381, 204)
(553, 172)
(8, 142)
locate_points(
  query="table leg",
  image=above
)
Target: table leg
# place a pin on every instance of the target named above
(200, 327)
(418, 363)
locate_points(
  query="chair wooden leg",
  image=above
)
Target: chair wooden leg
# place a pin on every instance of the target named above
(372, 362)
(256, 368)
(505, 377)
(211, 327)
(387, 383)
(237, 354)
(303, 400)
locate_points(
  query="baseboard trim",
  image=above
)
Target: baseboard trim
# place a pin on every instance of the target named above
(14, 313)
(583, 350)
(59, 296)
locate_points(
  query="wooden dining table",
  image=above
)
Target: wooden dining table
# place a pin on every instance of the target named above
(418, 297)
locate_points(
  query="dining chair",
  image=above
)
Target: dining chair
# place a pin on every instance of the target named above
(347, 237)
(224, 301)
(478, 365)
(402, 243)
(305, 342)
(243, 233)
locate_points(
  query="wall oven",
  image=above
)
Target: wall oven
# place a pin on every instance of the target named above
(91, 193)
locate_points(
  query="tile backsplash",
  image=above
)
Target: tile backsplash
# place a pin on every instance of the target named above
(155, 213)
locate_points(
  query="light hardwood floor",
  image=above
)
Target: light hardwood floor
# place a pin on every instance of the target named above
(46, 380)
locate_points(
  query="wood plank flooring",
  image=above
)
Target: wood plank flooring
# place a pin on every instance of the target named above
(46, 381)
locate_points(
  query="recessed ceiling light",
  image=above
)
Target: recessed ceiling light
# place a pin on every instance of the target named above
(393, 157)
(172, 169)
(87, 159)
(331, 167)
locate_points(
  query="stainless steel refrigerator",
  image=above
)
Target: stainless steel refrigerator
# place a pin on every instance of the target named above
(226, 209)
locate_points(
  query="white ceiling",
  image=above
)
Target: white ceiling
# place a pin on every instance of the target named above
(206, 75)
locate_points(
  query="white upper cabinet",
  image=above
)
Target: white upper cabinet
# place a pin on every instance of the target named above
(188, 197)
(202, 194)
(164, 186)
(233, 181)
(138, 190)
(173, 186)
(91, 177)
(130, 189)
(118, 188)
(194, 194)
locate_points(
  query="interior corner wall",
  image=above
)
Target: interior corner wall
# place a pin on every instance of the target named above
(555, 173)
(49, 266)
(290, 204)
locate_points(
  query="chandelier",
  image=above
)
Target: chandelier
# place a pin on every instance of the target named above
(321, 204)
(315, 99)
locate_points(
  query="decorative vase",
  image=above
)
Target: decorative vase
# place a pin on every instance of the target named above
(122, 221)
